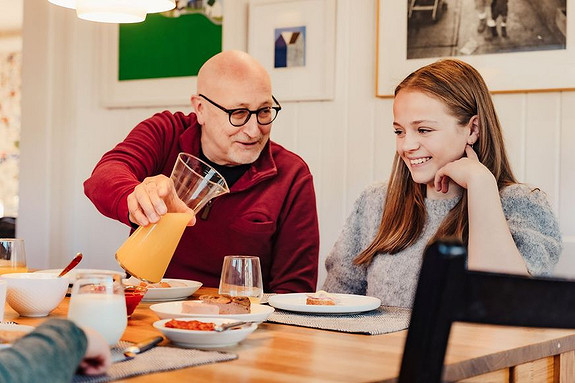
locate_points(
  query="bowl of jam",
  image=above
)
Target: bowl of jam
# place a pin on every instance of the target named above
(134, 295)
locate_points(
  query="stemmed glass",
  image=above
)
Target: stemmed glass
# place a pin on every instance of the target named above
(242, 276)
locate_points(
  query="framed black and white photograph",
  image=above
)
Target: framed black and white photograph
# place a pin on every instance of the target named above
(517, 45)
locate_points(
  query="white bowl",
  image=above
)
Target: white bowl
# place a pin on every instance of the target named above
(205, 339)
(35, 294)
(71, 275)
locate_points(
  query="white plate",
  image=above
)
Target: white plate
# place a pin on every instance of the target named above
(156, 294)
(204, 339)
(259, 313)
(72, 273)
(347, 303)
(13, 327)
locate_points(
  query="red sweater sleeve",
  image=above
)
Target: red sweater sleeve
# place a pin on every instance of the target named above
(144, 152)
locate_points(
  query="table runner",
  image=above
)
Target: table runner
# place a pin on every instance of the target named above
(383, 320)
(155, 360)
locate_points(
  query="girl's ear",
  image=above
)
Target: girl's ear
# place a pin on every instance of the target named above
(473, 130)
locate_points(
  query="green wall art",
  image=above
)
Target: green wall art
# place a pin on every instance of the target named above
(171, 44)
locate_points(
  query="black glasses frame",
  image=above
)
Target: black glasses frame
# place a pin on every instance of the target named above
(250, 112)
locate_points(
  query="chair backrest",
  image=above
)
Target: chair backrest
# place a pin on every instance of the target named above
(7, 227)
(448, 293)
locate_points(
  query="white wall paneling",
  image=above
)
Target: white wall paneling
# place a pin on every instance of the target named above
(566, 188)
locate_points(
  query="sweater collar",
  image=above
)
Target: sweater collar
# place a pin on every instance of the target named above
(441, 206)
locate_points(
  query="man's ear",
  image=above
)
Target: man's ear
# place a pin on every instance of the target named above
(473, 130)
(198, 106)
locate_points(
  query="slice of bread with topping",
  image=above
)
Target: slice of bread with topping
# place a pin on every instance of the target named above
(199, 307)
(224, 303)
(321, 298)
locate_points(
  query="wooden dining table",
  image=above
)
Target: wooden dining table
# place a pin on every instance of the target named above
(285, 353)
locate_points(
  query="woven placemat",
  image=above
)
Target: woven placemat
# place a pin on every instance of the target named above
(155, 360)
(383, 320)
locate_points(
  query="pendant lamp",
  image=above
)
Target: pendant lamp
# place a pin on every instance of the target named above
(111, 11)
(64, 3)
(115, 11)
(155, 6)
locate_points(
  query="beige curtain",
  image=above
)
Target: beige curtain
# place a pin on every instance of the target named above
(10, 95)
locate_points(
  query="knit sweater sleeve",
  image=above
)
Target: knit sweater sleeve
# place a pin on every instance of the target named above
(534, 227)
(343, 276)
(50, 353)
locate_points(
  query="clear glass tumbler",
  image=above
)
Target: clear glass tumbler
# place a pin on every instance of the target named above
(242, 276)
(98, 301)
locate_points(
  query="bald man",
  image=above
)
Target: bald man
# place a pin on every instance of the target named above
(270, 211)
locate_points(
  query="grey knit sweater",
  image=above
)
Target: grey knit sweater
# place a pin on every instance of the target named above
(393, 278)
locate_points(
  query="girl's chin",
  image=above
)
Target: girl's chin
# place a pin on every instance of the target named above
(422, 180)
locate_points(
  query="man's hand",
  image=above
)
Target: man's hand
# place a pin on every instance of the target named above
(154, 197)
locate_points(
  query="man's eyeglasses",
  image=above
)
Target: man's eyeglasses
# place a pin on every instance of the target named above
(240, 116)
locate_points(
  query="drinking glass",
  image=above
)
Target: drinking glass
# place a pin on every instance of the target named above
(98, 301)
(196, 182)
(146, 254)
(242, 276)
(12, 256)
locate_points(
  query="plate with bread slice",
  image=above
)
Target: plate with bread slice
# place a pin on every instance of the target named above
(9, 333)
(322, 302)
(166, 289)
(217, 305)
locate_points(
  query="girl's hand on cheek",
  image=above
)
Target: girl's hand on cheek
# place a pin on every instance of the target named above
(460, 171)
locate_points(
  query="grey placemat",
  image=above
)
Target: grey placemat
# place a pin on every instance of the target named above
(157, 359)
(383, 320)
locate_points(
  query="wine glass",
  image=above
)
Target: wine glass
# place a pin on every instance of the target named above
(98, 301)
(12, 256)
(242, 276)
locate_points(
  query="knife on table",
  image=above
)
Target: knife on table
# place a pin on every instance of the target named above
(131, 352)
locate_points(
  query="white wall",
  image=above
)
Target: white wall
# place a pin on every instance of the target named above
(347, 142)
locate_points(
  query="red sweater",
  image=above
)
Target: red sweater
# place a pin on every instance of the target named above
(270, 211)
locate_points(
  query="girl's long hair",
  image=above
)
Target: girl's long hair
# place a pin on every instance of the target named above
(464, 93)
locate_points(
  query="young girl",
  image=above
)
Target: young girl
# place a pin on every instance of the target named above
(450, 177)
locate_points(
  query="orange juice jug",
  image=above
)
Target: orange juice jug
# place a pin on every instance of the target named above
(147, 253)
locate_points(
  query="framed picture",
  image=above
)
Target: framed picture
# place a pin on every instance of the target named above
(517, 46)
(168, 77)
(295, 41)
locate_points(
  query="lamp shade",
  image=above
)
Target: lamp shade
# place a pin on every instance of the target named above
(112, 11)
(154, 6)
(64, 3)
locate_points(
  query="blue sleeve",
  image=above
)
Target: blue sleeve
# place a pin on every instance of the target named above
(50, 353)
